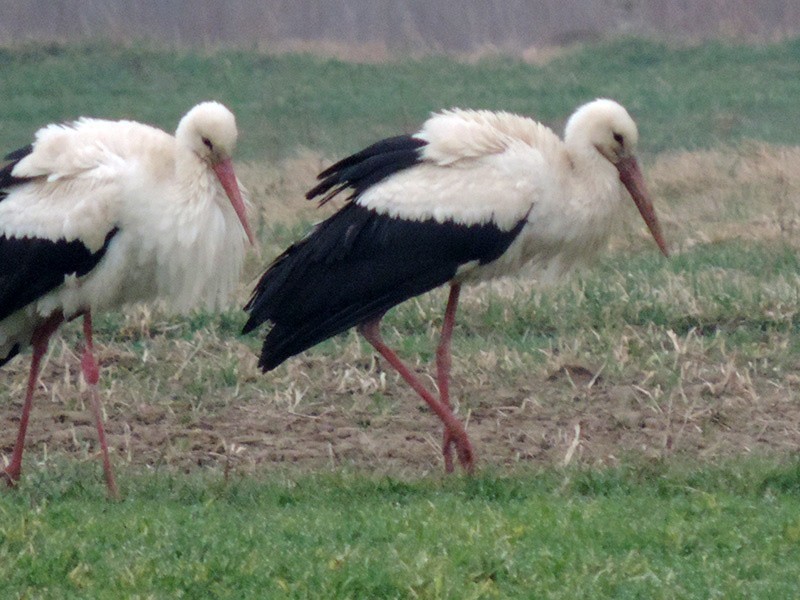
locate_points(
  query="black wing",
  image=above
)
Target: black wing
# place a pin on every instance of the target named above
(355, 266)
(30, 267)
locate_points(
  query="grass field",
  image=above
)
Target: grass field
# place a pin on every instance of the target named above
(682, 98)
(636, 426)
(650, 531)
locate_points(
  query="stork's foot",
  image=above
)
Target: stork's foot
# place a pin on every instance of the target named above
(447, 451)
(91, 373)
(111, 485)
(97, 411)
(466, 456)
(10, 476)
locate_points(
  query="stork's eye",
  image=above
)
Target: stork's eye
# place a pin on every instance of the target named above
(619, 139)
(208, 143)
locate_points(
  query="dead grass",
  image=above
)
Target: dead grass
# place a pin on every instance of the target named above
(751, 192)
(183, 394)
(379, 52)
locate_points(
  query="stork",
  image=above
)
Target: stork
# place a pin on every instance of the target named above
(96, 214)
(472, 196)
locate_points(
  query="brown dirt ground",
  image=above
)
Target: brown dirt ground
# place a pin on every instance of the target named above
(571, 415)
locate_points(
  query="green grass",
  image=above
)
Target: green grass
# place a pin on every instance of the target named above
(650, 531)
(682, 97)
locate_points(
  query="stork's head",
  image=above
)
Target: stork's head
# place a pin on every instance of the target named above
(209, 130)
(605, 127)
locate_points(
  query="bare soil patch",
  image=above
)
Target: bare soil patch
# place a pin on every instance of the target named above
(564, 416)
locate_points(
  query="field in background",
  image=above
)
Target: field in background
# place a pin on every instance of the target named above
(375, 29)
(634, 426)
(682, 98)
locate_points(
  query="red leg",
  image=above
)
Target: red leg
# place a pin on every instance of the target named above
(91, 373)
(39, 340)
(443, 363)
(371, 331)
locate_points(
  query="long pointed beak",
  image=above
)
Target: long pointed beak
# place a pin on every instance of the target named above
(226, 176)
(631, 177)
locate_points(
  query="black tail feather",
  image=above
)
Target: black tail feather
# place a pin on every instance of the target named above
(7, 180)
(14, 351)
(366, 168)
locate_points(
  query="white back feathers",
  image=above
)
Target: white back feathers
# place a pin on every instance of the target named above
(454, 135)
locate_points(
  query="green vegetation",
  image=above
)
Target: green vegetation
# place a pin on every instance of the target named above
(683, 97)
(638, 532)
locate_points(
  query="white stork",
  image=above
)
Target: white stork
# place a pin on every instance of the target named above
(472, 196)
(97, 214)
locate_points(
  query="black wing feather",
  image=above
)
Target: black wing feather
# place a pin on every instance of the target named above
(7, 180)
(14, 351)
(355, 266)
(19, 153)
(366, 168)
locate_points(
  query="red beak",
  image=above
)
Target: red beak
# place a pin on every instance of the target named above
(631, 177)
(227, 178)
